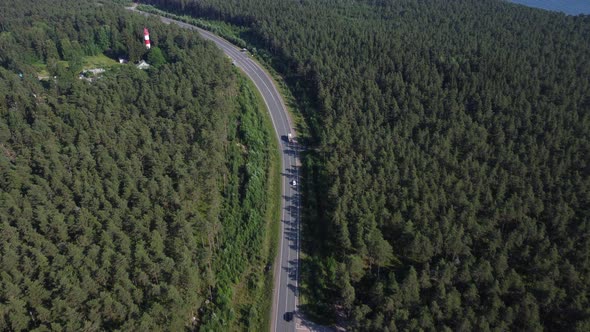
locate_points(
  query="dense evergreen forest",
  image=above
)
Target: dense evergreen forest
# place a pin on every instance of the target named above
(448, 183)
(130, 200)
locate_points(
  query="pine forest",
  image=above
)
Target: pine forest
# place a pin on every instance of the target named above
(447, 178)
(131, 200)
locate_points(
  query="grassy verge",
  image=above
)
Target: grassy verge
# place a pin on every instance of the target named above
(250, 218)
(252, 300)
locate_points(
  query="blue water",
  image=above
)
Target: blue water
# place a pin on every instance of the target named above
(571, 7)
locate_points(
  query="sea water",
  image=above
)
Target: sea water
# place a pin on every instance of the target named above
(571, 7)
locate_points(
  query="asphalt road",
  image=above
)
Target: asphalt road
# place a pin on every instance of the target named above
(286, 267)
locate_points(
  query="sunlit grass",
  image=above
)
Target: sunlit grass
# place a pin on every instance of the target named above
(89, 62)
(99, 61)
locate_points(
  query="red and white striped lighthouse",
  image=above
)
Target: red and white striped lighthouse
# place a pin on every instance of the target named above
(146, 37)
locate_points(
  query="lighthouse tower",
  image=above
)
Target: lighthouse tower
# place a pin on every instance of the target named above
(146, 37)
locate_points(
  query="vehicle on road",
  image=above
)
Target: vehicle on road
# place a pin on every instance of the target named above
(288, 316)
(290, 138)
(294, 183)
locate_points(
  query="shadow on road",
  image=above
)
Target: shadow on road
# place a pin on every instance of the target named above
(293, 198)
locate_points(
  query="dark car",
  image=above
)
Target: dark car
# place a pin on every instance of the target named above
(288, 316)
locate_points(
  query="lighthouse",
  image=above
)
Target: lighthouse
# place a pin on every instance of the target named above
(146, 37)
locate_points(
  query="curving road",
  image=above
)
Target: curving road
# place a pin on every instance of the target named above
(286, 267)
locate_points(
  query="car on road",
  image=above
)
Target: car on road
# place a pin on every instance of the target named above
(294, 183)
(288, 316)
